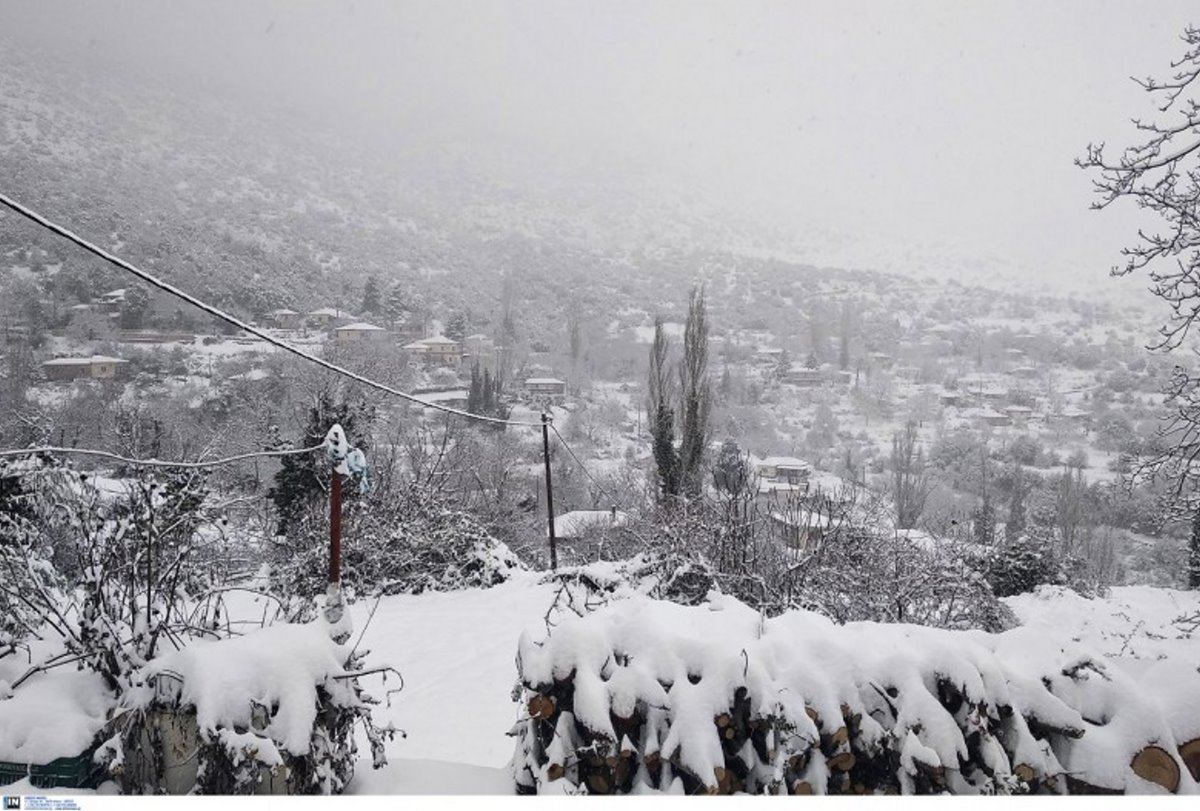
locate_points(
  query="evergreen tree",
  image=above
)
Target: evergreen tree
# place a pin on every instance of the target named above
(661, 418)
(1014, 528)
(695, 395)
(303, 479)
(783, 365)
(488, 393)
(457, 326)
(730, 473)
(134, 309)
(397, 306)
(475, 393)
(666, 458)
(371, 302)
(1023, 565)
(984, 521)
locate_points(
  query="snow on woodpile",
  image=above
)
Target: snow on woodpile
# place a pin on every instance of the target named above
(643, 695)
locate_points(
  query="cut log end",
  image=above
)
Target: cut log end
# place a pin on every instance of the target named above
(541, 707)
(1190, 752)
(802, 788)
(1156, 765)
(1024, 772)
(843, 762)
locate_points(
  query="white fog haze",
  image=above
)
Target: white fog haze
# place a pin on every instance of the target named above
(870, 134)
(545, 397)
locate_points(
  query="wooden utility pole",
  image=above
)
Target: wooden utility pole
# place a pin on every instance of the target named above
(549, 491)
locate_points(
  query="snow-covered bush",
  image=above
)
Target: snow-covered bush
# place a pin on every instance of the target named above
(278, 706)
(412, 543)
(855, 568)
(26, 567)
(643, 695)
(1022, 565)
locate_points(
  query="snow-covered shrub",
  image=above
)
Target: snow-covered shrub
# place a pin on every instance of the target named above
(27, 573)
(643, 695)
(854, 569)
(413, 543)
(1023, 565)
(279, 706)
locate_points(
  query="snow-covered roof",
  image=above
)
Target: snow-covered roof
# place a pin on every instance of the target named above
(577, 522)
(784, 461)
(360, 326)
(81, 361)
(544, 381)
(801, 518)
(331, 312)
(284, 311)
(438, 340)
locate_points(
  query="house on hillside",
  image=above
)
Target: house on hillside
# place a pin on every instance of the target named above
(285, 319)
(327, 317)
(96, 367)
(782, 473)
(799, 528)
(585, 536)
(436, 351)
(578, 524)
(360, 332)
(112, 301)
(546, 389)
(804, 377)
(1019, 414)
(1071, 416)
(994, 418)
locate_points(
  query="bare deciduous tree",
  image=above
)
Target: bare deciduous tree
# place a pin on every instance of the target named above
(910, 483)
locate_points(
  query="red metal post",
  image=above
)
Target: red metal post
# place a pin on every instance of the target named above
(335, 527)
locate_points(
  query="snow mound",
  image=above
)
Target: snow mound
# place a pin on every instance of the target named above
(279, 668)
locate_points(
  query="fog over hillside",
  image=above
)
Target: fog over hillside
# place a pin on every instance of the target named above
(916, 137)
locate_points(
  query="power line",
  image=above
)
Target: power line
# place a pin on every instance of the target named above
(160, 462)
(599, 486)
(229, 319)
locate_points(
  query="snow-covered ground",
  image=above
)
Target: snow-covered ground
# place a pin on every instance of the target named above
(457, 654)
(456, 651)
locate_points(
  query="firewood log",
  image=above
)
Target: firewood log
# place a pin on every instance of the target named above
(1190, 752)
(541, 707)
(1156, 765)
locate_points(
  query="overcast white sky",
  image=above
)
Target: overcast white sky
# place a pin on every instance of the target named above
(950, 122)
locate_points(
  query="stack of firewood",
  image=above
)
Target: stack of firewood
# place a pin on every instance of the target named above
(641, 697)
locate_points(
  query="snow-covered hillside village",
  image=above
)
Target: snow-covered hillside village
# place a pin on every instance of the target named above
(407, 398)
